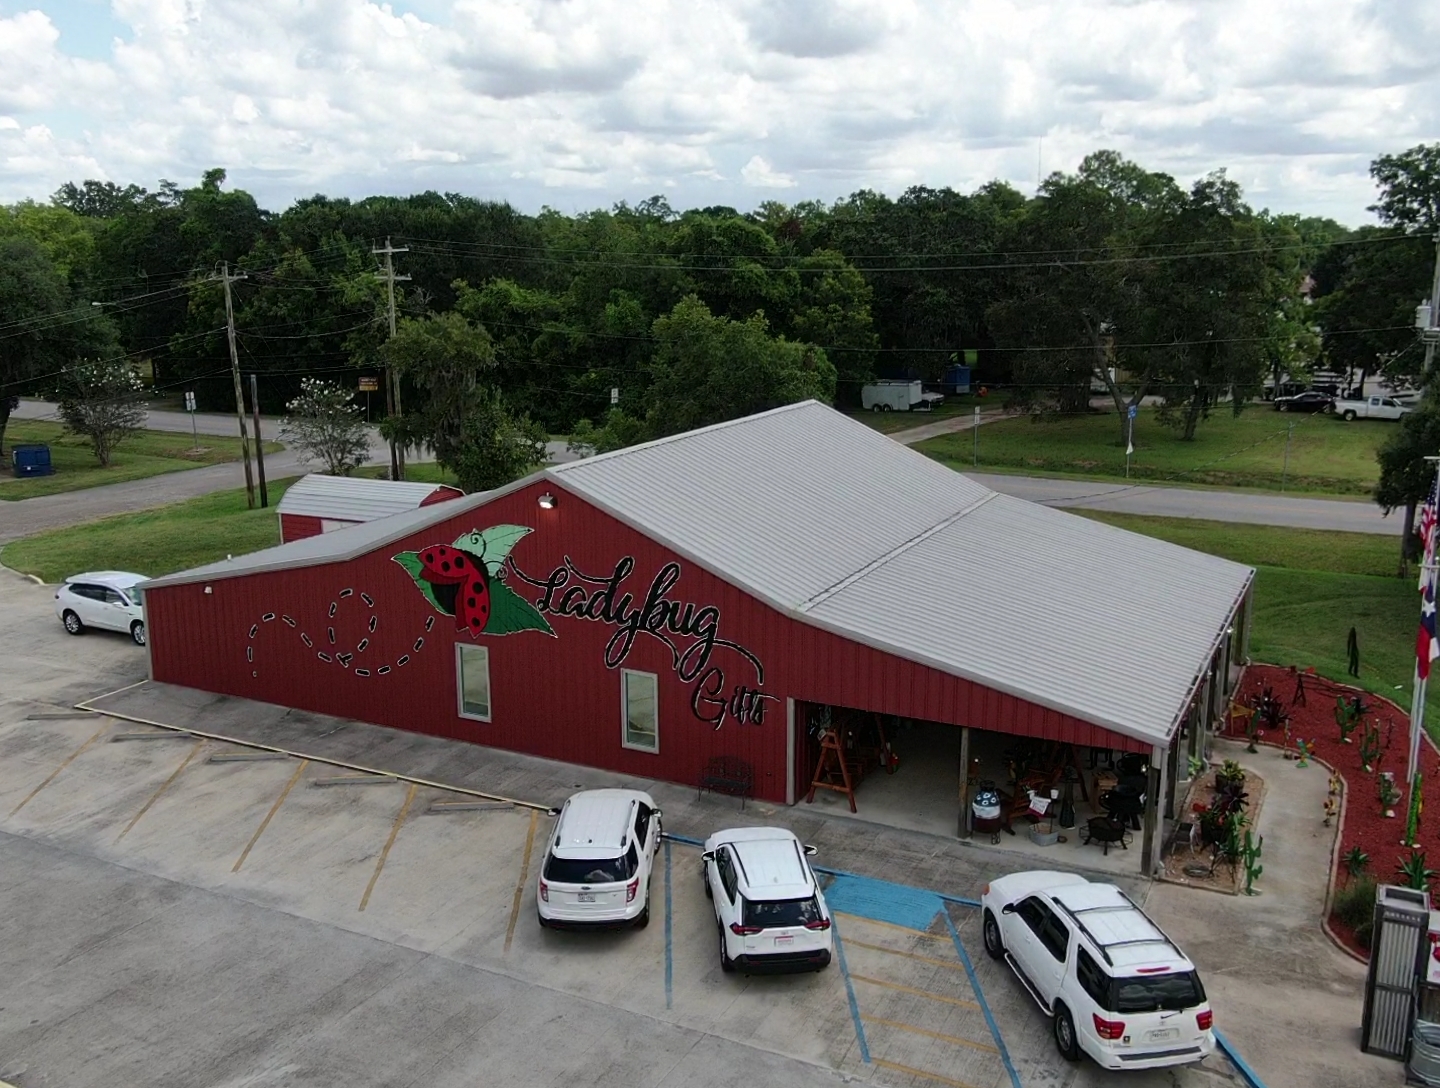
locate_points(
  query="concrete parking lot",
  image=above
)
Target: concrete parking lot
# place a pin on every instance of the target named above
(176, 911)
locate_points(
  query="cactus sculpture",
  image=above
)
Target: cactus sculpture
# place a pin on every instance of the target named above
(1250, 854)
(1347, 716)
(1370, 748)
(1305, 748)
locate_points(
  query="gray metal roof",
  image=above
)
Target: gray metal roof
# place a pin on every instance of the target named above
(847, 529)
(843, 528)
(352, 498)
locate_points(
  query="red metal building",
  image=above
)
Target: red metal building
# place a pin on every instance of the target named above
(647, 610)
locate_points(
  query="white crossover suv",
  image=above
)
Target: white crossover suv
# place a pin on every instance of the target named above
(768, 906)
(598, 861)
(1114, 986)
(105, 599)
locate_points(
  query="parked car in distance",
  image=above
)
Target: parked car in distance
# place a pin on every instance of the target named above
(598, 861)
(107, 600)
(768, 906)
(1371, 408)
(1312, 400)
(1115, 987)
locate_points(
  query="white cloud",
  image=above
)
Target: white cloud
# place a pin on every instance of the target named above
(762, 175)
(578, 103)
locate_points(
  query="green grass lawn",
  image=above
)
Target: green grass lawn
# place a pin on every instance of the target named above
(1311, 587)
(154, 542)
(1326, 455)
(143, 454)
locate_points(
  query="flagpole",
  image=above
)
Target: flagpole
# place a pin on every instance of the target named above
(1427, 581)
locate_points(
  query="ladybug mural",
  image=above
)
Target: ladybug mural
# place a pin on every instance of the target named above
(465, 579)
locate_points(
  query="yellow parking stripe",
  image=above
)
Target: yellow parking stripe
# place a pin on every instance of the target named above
(385, 853)
(194, 751)
(921, 1073)
(917, 993)
(31, 795)
(891, 925)
(270, 815)
(908, 955)
(987, 1047)
(524, 877)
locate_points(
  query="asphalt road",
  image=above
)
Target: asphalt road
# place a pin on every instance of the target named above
(19, 519)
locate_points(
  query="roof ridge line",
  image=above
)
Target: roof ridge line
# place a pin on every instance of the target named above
(566, 466)
(899, 549)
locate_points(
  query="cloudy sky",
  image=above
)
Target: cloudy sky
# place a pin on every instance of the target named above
(580, 103)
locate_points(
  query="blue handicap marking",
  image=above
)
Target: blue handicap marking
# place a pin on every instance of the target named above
(898, 904)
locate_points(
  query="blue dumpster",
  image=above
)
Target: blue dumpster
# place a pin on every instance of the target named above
(31, 460)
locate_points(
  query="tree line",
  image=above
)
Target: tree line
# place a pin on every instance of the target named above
(1113, 277)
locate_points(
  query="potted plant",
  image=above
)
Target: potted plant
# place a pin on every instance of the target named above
(1230, 776)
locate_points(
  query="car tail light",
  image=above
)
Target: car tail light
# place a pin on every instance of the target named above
(544, 891)
(819, 923)
(743, 931)
(631, 889)
(1204, 1019)
(1108, 1029)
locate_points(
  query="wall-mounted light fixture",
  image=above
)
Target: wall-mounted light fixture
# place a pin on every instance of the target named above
(547, 501)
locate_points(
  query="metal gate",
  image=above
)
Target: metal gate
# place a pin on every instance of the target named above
(1398, 945)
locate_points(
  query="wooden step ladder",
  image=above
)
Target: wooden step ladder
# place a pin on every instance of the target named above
(832, 772)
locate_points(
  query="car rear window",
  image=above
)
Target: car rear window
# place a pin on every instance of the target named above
(592, 870)
(1151, 993)
(781, 912)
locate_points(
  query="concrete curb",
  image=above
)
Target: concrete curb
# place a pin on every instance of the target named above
(19, 573)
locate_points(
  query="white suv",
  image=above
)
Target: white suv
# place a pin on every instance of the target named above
(598, 861)
(106, 599)
(1114, 985)
(768, 906)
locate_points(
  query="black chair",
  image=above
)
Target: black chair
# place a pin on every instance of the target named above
(1132, 763)
(1124, 804)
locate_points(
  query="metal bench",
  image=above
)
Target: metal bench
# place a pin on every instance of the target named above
(728, 775)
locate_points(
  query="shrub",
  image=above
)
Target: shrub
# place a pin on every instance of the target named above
(1354, 906)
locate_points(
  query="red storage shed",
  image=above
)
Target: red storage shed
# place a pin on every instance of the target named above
(318, 503)
(723, 593)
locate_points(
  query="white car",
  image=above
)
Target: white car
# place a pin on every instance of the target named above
(768, 906)
(598, 861)
(105, 599)
(1114, 986)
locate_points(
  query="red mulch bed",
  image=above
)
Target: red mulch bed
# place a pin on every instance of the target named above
(1365, 824)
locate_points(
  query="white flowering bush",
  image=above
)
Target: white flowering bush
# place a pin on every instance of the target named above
(326, 426)
(102, 401)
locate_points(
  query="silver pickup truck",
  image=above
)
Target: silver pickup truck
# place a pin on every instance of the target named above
(1371, 408)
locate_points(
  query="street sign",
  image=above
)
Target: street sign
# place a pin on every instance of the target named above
(1133, 411)
(189, 402)
(369, 385)
(614, 394)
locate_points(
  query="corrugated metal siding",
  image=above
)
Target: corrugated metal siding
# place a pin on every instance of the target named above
(353, 498)
(298, 527)
(550, 697)
(442, 493)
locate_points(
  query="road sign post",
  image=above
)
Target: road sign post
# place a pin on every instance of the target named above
(368, 386)
(190, 407)
(1130, 439)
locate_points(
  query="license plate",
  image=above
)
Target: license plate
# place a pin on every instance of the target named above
(1161, 1034)
(787, 939)
(585, 897)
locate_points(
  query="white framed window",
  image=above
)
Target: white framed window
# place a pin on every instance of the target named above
(472, 681)
(639, 710)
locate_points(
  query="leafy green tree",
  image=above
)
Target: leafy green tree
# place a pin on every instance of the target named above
(444, 362)
(1405, 475)
(495, 444)
(709, 369)
(103, 401)
(325, 424)
(834, 311)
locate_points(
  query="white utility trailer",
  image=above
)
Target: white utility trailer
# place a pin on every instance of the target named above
(898, 396)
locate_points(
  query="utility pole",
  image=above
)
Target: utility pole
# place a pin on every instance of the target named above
(1429, 323)
(259, 442)
(227, 280)
(392, 379)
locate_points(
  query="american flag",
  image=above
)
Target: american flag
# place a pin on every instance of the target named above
(1429, 514)
(1427, 645)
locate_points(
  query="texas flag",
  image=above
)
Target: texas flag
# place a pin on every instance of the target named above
(1427, 646)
